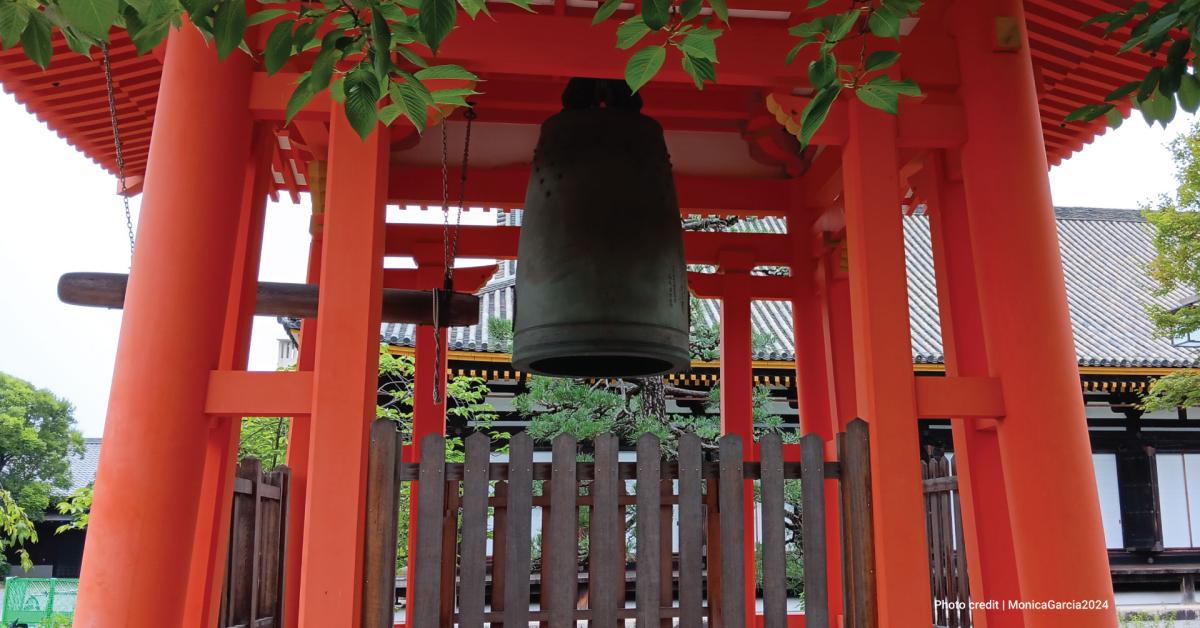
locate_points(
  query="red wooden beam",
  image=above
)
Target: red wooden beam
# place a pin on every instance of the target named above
(761, 287)
(700, 247)
(959, 398)
(251, 393)
(504, 187)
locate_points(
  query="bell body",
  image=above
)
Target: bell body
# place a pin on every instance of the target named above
(601, 281)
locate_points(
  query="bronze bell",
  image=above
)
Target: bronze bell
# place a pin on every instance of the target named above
(601, 281)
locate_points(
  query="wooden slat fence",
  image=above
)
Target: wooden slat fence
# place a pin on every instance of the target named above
(253, 595)
(947, 558)
(687, 530)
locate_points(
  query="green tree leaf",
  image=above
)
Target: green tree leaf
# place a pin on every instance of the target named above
(35, 40)
(13, 19)
(881, 60)
(473, 9)
(229, 26)
(448, 71)
(884, 24)
(414, 99)
(91, 17)
(300, 97)
(878, 98)
(279, 47)
(643, 65)
(720, 9)
(412, 57)
(605, 10)
(700, 70)
(631, 31)
(436, 20)
(266, 15)
(701, 44)
(656, 13)
(1189, 93)
(822, 72)
(362, 95)
(816, 111)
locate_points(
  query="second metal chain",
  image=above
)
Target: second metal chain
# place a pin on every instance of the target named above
(449, 246)
(117, 146)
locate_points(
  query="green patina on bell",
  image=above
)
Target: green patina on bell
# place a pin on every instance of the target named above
(601, 280)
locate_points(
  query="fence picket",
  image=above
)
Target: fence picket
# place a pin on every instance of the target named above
(473, 575)
(690, 531)
(520, 512)
(732, 503)
(816, 579)
(604, 542)
(431, 493)
(559, 552)
(856, 467)
(649, 499)
(379, 562)
(774, 558)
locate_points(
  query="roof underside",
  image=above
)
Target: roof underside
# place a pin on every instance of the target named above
(1074, 66)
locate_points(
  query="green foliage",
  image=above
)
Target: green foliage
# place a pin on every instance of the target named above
(37, 439)
(78, 505)
(704, 340)
(16, 530)
(830, 75)
(1172, 84)
(1176, 267)
(500, 330)
(369, 49)
(264, 438)
(1177, 390)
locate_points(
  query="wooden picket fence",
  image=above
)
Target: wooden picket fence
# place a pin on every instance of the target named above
(947, 558)
(701, 583)
(253, 595)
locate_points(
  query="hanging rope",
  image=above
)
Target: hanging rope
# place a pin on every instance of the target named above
(116, 133)
(449, 243)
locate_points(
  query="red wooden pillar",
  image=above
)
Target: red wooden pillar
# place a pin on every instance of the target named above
(1057, 529)
(883, 364)
(991, 563)
(298, 434)
(814, 380)
(211, 545)
(841, 337)
(737, 387)
(148, 485)
(345, 379)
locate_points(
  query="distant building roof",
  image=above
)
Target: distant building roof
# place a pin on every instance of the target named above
(1104, 252)
(83, 468)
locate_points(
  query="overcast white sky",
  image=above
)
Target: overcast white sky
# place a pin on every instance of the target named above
(59, 213)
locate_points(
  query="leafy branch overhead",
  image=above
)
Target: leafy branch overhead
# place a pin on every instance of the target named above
(1168, 87)
(374, 56)
(865, 73)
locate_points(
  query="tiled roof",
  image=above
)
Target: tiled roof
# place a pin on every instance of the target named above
(1104, 251)
(83, 468)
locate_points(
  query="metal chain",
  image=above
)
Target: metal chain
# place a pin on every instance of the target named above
(449, 245)
(116, 133)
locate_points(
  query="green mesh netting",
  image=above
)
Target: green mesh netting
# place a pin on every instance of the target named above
(40, 602)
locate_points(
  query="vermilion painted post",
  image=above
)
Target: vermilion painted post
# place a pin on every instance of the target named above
(737, 388)
(428, 417)
(814, 380)
(1057, 528)
(346, 372)
(841, 338)
(991, 563)
(883, 365)
(211, 545)
(298, 435)
(135, 563)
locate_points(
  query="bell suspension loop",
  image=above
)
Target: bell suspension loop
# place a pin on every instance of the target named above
(449, 243)
(117, 145)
